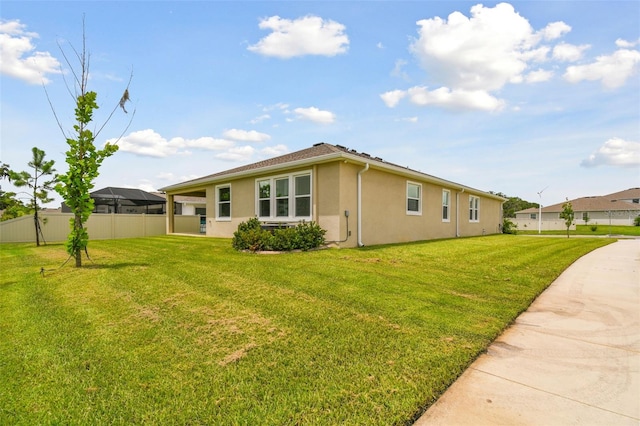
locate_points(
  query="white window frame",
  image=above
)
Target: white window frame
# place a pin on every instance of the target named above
(218, 202)
(447, 205)
(291, 197)
(474, 208)
(419, 198)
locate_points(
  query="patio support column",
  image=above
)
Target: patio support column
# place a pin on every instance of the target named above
(211, 207)
(170, 215)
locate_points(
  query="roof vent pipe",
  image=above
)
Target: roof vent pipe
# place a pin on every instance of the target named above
(360, 173)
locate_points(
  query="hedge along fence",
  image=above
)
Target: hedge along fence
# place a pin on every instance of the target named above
(55, 226)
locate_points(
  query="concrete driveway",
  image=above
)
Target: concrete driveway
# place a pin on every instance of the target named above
(573, 358)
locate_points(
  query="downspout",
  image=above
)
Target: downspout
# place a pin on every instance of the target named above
(360, 173)
(458, 212)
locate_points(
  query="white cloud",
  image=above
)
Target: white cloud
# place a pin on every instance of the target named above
(473, 57)
(393, 97)
(483, 52)
(151, 144)
(613, 70)
(309, 35)
(455, 99)
(566, 52)
(538, 76)
(260, 119)
(146, 185)
(554, 30)
(615, 152)
(168, 176)
(627, 44)
(274, 151)
(397, 70)
(246, 135)
(18, 58)
(240, 153)
(316, 115)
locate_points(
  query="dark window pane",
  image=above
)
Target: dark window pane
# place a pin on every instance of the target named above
(282, 187)
(224, 210)
(265, 208)
(224, 194)
(303, 206)
(303, 185)
(413, 205)
(282, 207)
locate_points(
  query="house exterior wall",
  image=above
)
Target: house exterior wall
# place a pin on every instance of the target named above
(386, 220)
(384, 206)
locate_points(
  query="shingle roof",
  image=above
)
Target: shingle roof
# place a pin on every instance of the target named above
(317, 151)
(611, 202)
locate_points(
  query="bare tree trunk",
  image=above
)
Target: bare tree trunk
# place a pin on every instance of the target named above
(36, 227)
(77, 225)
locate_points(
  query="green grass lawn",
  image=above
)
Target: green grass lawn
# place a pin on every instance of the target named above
(601, 229)
(180, 330)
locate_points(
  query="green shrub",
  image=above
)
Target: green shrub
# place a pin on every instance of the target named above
(636, 221)
(309, 235)
(594, 227)
(251, 236)
(508, 227)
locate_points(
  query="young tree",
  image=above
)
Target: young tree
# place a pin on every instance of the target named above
(82, 157)
(39, 190)
(568, 215)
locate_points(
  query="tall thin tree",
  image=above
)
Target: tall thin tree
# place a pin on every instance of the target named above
(82, 157)
(39, 190)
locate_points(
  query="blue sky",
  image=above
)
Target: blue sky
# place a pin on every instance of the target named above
(506, 97)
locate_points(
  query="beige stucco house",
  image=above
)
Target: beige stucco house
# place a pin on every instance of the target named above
(358, 199)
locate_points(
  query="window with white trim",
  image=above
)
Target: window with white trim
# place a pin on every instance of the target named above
(223, 202)
(446, 205)
(285, 197)
(414, 198)
(474, 208)
(264, 198)
(303, 196)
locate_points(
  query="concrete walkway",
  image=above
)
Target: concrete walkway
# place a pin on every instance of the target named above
(573, 358)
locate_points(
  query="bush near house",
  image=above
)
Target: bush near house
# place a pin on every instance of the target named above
(636, 221)
(253, 237)
(508, 227)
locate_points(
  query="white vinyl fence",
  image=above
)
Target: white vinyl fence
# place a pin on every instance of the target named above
(55, 226)
(547, 225)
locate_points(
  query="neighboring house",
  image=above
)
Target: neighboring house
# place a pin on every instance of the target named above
(619, 208)
(358, 199)
(124, 201)
(188, 206)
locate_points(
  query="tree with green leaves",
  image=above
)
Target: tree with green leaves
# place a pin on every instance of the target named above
(10, 206)
(39, 189)
(82, 157)
(568, 215)
(514, 204)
